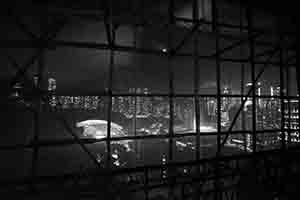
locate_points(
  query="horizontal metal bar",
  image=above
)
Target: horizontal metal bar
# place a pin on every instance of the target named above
(236, 44)
(67, 142)
(176, 95)
(102, 46)
(187, 37)
(235, 26)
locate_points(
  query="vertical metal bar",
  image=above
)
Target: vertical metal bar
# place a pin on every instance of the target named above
(196, 90)
(214, 14)
(182, 191)
(171, 81)
(35, 151)
(110, 85)
(242, 77)
(107, 17)
(282, 84)
(136, 143)
(196, 79)
(38, 104)
(243, 122)
(218, 72)
(253, 77)
(171, 96)
(108, 141)
(146, 183)
(218, 77)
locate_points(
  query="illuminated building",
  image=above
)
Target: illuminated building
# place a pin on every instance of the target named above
(146, 104)
(225, 105)
(291, 120)
(139, 102)
(51, 91)
(275, 91)
(258, 92)
(211, 108)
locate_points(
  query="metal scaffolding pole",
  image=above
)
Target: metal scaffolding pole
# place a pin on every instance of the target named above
(243, 125)
(218, 194)
(253, 76)
(118, 48)
(111, 32)
(196, 80)
(171, 99)
(38, 102)
(282, 86)
(196, 98)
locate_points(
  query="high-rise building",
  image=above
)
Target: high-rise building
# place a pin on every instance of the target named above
(146, 104)
(51, 91)
(225, 105)
(139, 102)
(211, 108)
(275, 90)
(258, 92)
(291, 120)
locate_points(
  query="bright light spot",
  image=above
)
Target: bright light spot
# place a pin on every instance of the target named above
(164, 160)
(207, 129)
(178, 143)
(115, 156)
(164, 50)
(117, 163)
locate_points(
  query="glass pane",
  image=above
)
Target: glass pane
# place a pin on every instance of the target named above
(232, 111)
(268, 140)
(185, 10)
(291, 121)
(83, 30)
(153, 116)
(144, 71)
(124, 153)
(207, 77)
(17, 124)
(208, 114)
(123, 113)
(184, 149)
(89, 70)
(15, 165)
(268, 113)
(208, 146)
(269, 81)
(148, 148)
(292, 82)
(126, 36)
(184, 115)
(183, 75)
(231, 78)
(80, 115)
(60, 160)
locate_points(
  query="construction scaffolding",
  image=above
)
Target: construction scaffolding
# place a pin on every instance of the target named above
(188, 55)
